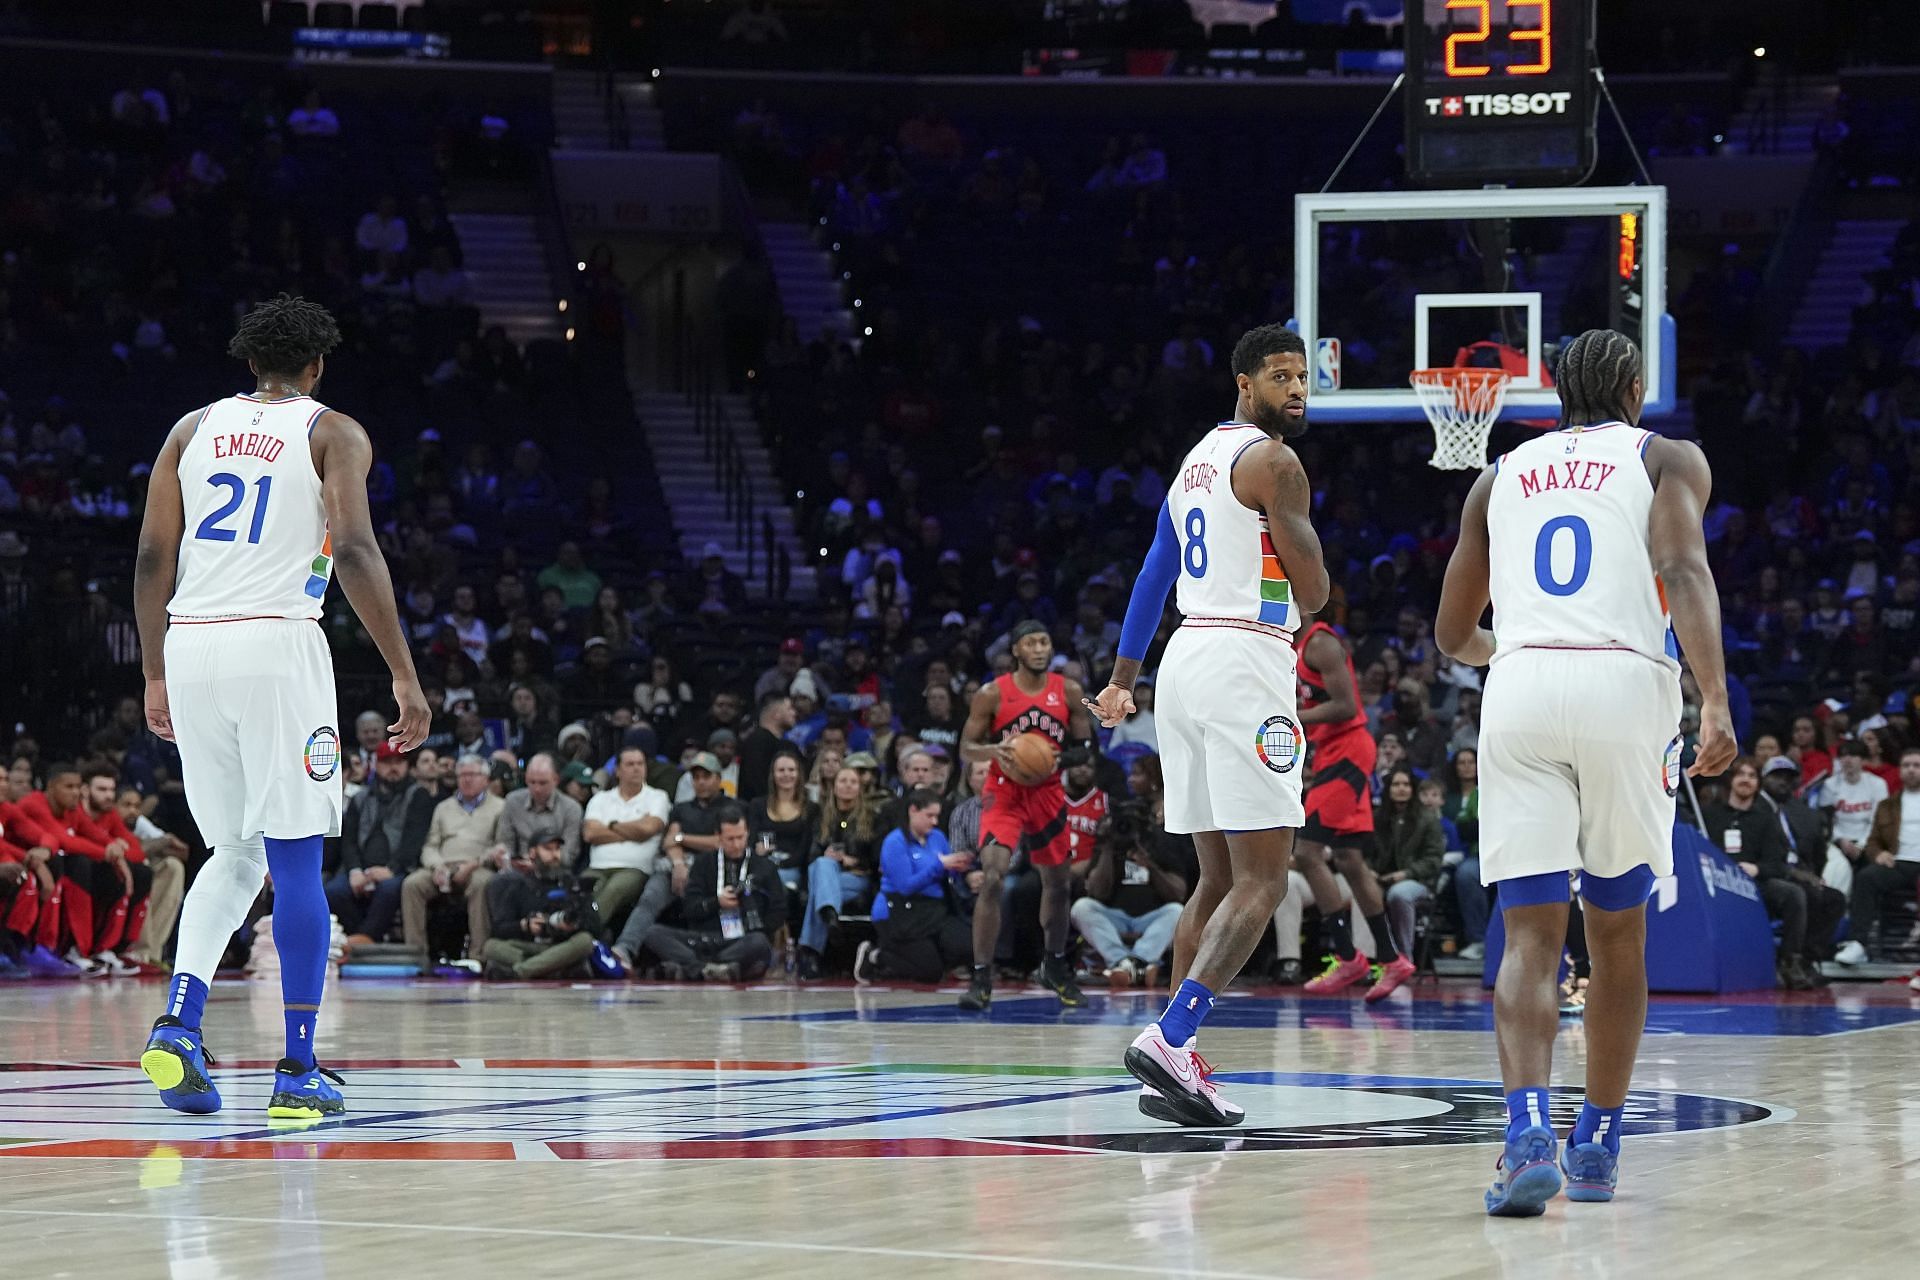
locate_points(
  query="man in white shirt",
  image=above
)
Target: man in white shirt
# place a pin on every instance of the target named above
(1891, 864)
(622, 833)
(1851, 794)
(381, 229)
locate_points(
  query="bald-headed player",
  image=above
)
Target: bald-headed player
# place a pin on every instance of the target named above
(1582, 539)
(1032, 698)
(1236, 537)
(254, 502)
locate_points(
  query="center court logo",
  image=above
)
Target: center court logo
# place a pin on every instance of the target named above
(321, 756)
(1278, 744)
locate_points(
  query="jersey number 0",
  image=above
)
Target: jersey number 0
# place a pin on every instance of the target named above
(1582, 555)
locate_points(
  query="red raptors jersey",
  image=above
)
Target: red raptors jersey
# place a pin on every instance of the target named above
(1313, 691)
(1084, 817)
(1022, 712)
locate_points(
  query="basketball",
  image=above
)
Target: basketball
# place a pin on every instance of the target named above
(1033, 759)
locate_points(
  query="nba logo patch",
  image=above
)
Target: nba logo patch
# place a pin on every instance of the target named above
(1326, 364)
(1670, 767)
(1278, 744)
(321, 756)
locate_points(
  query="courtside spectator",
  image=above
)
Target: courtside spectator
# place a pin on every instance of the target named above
(456, 858)
(1851, 796)
(1408, 846)
(693, 831)
(1891, 864)
(382, 834)
(623, 828)
(846, 847)
(536, 812)
(167, 860)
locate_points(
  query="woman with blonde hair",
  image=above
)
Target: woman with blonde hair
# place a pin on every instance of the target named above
(842, 866)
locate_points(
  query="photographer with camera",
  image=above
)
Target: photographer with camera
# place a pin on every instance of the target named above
(733, 903)
(1134, 890)
(543, 917)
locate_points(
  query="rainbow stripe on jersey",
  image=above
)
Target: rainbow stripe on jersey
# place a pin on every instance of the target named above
(321, 569)
(1276, 593)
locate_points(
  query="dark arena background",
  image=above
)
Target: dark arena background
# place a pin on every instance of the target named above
(740, 375)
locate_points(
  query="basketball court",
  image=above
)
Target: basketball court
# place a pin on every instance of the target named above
(835, 1131)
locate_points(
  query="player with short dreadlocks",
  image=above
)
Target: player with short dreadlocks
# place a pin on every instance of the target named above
(1582, 539)
(254, 501)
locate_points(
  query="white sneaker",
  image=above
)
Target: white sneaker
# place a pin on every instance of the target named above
(88, 968)
(1474, 951)
(1913, 983)
(1850, 954)
(1180, 1078)
(116, 966)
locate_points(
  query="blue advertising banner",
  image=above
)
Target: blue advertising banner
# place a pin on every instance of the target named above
(1706, 927)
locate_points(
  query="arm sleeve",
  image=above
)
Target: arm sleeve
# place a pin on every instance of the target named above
(1150, 589)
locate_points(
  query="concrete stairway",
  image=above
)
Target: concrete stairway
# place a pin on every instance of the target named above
(1825, 314)
(509, 270)
(699, 509)
(1779, 119)
(579, 112)
(811, 290)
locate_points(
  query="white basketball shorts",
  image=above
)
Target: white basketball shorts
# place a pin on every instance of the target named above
(1231, 747)
(255, 719)
(1579, 763)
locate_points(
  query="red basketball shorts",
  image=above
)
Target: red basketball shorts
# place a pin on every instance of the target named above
(1030, 818)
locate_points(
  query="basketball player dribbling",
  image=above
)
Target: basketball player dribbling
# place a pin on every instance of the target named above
(1582, 539)
(1339, 825)
(254, 501)
(1236, 537)
(1029, 699)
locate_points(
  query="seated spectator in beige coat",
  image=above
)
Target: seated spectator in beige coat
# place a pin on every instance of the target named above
(167, 859)
(457, 860)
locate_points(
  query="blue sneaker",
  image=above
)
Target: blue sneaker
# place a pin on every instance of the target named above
(605, 964)
(1526, 1177)
(303, 1093)
(43, 962)
(1592, 1171)
(177, 1062)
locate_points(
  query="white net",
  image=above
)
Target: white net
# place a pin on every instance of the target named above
(1462, 405)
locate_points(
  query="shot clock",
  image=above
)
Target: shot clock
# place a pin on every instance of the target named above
(1500, 91)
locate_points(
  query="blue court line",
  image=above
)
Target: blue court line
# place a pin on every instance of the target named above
(915, 1113)
(353, 1121)
(1309, 1013)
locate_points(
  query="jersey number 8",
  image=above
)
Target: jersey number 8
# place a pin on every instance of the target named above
(1196, 557)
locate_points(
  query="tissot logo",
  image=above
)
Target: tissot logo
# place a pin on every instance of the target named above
(1455, 106)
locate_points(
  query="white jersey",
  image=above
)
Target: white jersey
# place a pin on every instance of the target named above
(1228, 567)
(255, 544)
(1569, 546)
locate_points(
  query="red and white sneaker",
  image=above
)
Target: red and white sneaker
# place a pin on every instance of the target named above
(1391, 976)
(1339, 975)
(1913, 983)
(1179, 1084)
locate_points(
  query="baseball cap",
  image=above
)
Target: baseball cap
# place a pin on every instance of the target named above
(387, 751)
(792, 645)
(950, 556)
(953, 618)
(861, 760)
(712, 551)
(577, 772)
(705, 760)
(935, 750)
(804, 686)
(719, 736)
(594, 642)
(1779, 764)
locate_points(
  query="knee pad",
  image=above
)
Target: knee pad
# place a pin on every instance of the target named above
(1544, 889)
(1618, 893)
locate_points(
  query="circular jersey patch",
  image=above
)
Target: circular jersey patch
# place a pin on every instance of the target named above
(1278, 744)
(1670, 767)
(322, 754)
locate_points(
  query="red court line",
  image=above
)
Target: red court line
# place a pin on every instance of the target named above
(290, 1148)
(804, 1149)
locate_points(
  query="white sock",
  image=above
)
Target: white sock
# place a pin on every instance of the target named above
(217, 905)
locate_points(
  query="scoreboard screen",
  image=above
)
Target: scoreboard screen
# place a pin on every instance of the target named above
(1500, 91)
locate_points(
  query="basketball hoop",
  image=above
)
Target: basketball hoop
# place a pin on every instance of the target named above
(1462, 405)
